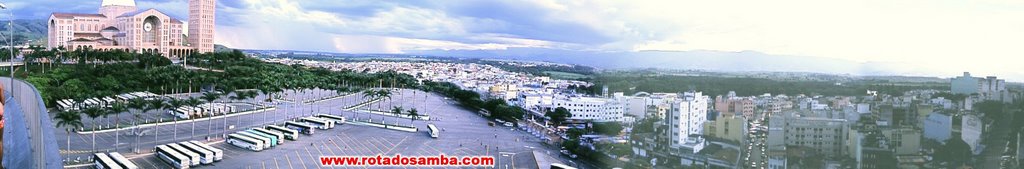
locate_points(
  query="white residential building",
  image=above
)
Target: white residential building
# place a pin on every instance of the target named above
(938, 126)
(591, 108)
(970, 132)
(686, 117)
(825, 135)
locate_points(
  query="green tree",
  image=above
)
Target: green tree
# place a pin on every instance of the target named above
(93, 113)
(607, 128)
(991, 109)
(116, 109)
(140, 106)
(397, 112)
(559, 115)
(209, 97)
(955, 151)
(413, 114)
(70, 120)
(193, 102)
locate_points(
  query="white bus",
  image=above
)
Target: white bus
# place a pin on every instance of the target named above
(266, 141)
(123, 162)
(104, 162)
(433, 131)
(273, 139)
(301, 127)
(245, 142)
(288, 133)
(172, 157)
(279, 135)
(319, 123)
(181, 112)
(217, 153)
(337, 119)
(560, 166)
(192, 157)
(205, 156)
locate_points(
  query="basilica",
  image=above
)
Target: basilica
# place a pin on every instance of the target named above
(120, 25)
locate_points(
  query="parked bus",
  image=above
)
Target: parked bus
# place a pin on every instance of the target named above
(319, 123)
(245, 142)
(104, 162)
(123, 162)
(301, 127)
(172, 157)
(278, 135)
(288, 133)
(433, 131)
(181, 112)
(337, 119)
(560, 166)
(205, 156)
(273, 139)
(266, 141)
(192, 157)
(217, 153)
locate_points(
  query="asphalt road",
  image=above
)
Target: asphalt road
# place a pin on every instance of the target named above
(465, 134)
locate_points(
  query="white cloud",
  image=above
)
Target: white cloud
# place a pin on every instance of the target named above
(941, 36)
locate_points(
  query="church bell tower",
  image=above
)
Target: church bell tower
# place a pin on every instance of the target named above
(201, 24)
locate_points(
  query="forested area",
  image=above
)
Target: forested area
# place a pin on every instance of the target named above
(107, 73)
(648, 82)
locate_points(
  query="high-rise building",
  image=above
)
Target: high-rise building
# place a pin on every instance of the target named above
(987, 88)
(686, 117)
(201, 24)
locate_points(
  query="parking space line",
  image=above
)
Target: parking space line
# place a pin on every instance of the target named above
(310, 155)
(300, 159)
(328, 147)
(276, 165)
(371, 142)
(336, 145)
(347, 146)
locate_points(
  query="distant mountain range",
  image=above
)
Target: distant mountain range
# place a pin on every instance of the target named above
(746, 61)
(27, 29)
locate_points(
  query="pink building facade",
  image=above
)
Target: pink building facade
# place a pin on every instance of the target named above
(119, 25)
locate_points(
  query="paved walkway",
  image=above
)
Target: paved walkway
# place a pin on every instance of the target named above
(25, 144)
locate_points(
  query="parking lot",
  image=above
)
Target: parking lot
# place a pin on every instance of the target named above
(464, 134)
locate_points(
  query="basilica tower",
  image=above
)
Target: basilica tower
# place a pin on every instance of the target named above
(201, 24)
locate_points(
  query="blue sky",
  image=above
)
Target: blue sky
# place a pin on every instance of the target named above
(917, 37)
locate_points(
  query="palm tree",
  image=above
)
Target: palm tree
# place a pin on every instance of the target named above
(174, 104)
(193, 102)
(209, 97)
(368, 94)
(116, 109)
(413, 115)
(147, 106)
(383, 94)
(138, 105)
(397, 110)
(70, 120)
(93, 113)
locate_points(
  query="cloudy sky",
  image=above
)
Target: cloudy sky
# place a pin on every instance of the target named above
(939, 36)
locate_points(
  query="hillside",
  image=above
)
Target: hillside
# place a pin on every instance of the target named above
(25, 30)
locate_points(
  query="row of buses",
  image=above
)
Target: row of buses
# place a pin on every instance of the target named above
(203, 110)
(112, 160)
(185, 154)
(70, 104)
(259, 139)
